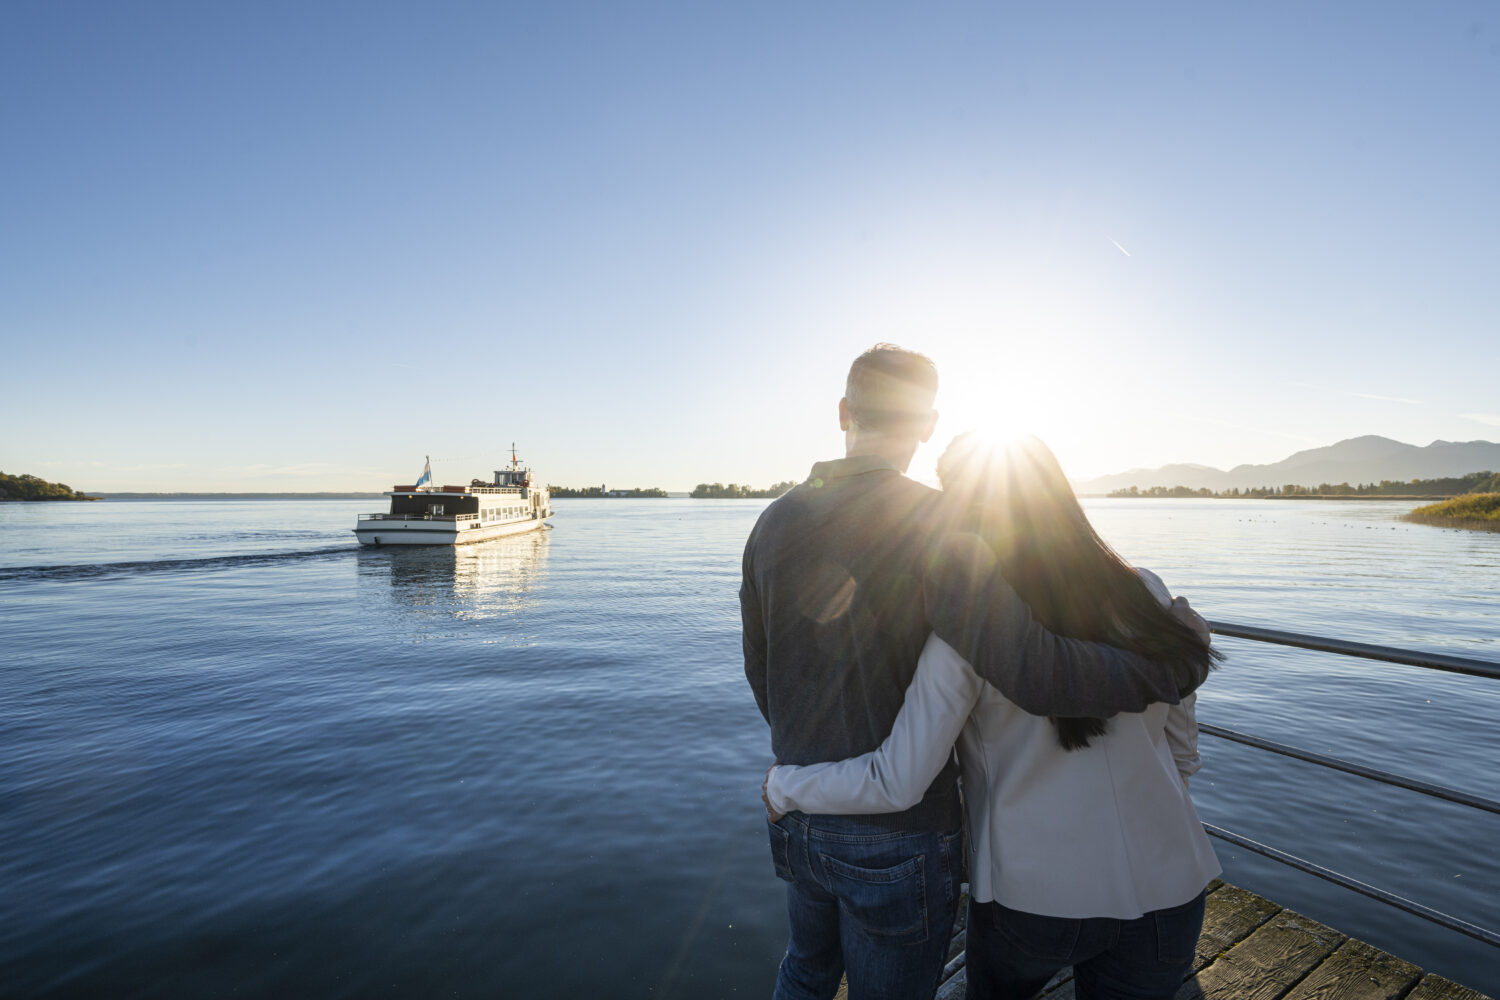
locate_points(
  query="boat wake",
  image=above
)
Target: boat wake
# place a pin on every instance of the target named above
(89, 571)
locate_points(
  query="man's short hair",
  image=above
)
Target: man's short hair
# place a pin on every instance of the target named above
(890, 390)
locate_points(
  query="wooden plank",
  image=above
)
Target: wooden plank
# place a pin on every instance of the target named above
(1358, 971)
(1230, 915)
(955, 959)
(1268, 963)
(951, 981)
(1252, 949)
(1063, 991)
(953, 988)
(1435, 987)
(955, 952)
(961, 919)
(960, 924)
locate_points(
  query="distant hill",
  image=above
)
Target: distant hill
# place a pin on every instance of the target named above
(1367, 459)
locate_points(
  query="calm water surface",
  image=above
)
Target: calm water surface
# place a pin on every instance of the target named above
(240, 756)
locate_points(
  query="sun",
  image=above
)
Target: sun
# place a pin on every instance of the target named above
(1045, 386)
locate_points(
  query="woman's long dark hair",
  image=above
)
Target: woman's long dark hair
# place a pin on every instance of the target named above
(1017, 499)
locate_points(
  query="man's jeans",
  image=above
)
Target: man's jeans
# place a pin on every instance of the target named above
(874, 904)
(1012, 954)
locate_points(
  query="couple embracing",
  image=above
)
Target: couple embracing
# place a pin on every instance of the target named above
(885, 622)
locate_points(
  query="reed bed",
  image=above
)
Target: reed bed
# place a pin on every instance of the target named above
(1475, 511)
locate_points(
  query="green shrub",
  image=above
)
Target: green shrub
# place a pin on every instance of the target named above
(1472, 510)
(32, 488)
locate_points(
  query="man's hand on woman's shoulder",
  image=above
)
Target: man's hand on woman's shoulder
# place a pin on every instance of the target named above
(1184, 613)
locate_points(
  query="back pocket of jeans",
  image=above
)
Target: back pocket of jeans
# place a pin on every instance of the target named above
(780, 843)
(1177, 931)
(1052, 939)
(886, 903)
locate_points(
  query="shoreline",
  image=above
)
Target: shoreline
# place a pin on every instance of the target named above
(671, 495)
(237, 496)
(1282, 496)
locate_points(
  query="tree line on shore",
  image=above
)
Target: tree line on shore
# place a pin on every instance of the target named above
(25, 487)
(734, 491)
(710, 491)
(1474, 482)
(598, 492)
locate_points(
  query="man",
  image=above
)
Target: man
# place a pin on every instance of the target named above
(838, 596)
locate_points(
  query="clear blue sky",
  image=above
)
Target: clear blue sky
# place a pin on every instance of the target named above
(299, 246)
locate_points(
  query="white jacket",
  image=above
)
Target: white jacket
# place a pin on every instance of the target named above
(1104, 831)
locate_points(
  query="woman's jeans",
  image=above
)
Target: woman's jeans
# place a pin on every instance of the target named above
(1012, 955)
(864, 901)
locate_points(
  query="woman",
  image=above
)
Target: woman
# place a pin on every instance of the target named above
(1084, 847)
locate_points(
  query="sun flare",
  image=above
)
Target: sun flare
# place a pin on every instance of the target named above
(1052, 385)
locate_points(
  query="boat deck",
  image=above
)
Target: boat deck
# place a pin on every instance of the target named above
(1253, 949)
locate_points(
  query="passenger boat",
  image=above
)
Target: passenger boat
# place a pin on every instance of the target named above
(424, 514)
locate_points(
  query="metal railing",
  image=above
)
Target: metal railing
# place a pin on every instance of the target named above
(419, 517)
(1430, 661)
(440, 491)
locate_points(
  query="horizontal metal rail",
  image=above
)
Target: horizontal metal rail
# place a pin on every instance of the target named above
(1385, 777)
(1389, 898)
(419, 517)
(1433, 661)
(462, 491)
(1411, 657)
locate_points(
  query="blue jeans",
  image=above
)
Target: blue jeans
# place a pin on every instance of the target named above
(1012, 955)
(874, 904)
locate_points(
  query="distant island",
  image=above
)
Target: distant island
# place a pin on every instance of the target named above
(1386, 489)
(1477, 512)
(25, 487)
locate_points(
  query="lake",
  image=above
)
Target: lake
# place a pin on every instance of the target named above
(242, 756)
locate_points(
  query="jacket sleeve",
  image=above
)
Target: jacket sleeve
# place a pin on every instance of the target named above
(1182, 737)
(1181, 728)
(894, 776)
(970, 605)
(753, 631)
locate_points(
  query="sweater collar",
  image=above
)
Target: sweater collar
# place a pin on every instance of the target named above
(842, 468)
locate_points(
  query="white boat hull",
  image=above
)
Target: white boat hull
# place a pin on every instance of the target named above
(415, 532)
(458, 515)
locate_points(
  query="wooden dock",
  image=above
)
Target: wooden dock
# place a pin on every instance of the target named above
(1253, 949)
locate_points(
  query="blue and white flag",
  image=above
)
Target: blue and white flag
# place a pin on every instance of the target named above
(426, 471)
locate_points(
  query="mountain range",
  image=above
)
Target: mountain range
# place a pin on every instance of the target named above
(1368, 459)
